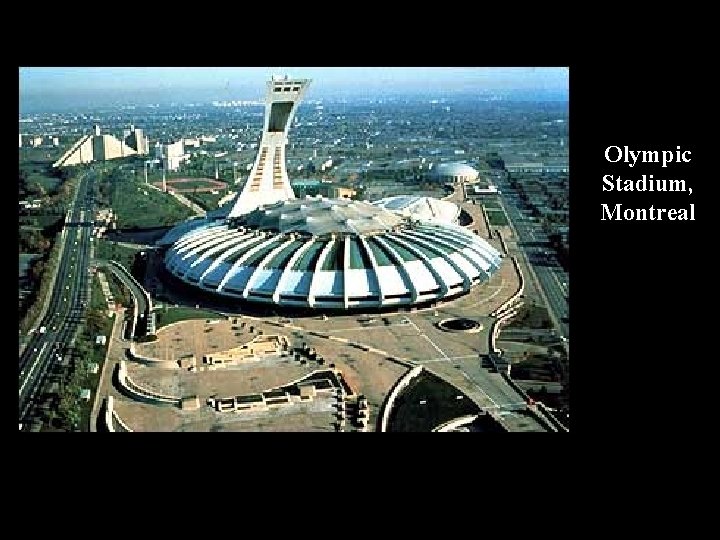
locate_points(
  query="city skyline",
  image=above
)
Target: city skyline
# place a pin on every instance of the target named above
(44, 88)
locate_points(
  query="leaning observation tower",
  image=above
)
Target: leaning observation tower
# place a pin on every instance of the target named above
(268, 181)
(268, 247)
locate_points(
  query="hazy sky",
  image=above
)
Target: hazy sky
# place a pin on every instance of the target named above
(122, 83)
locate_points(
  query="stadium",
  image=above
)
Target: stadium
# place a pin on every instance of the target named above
(269, 247)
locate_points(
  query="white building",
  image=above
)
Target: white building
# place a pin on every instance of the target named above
(454, 172)
(171, 154)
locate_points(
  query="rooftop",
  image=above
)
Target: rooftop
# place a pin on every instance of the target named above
(319, 216)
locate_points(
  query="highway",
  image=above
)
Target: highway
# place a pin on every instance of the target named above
(552, 279)
(66, 307)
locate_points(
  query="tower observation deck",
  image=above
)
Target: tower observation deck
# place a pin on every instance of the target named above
(268, 182)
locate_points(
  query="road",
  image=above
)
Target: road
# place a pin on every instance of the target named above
(137, 293)
(67, 305)
(553, 280)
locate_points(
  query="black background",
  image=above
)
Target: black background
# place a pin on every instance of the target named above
(638, 355)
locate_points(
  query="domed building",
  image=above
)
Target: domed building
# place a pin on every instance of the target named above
(332, 254)
(454, 173)
(270, 247)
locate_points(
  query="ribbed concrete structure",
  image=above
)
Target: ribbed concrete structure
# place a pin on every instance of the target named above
(331, 254)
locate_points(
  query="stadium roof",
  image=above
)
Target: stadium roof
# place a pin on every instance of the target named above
(425, 208)
(454, 169)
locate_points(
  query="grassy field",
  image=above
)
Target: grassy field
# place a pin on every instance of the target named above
(192, 184)
(139, 206)
(120, 292)
(496, 217)
(97, 298)
(207, 201)
(170, 315)
(39, 220)
(105, 249)
(37, 167)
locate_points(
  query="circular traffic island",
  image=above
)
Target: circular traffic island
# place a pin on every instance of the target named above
(468, 326)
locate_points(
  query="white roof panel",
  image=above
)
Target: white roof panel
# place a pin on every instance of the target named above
(464, 265)
(266, 280)
(446, 271)
(420, 276)
(297, 282)
(327, 283)
(361, 283)
(391, 279)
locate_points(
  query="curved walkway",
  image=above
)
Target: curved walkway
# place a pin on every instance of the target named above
(456, 422)
(138, 393)
(113, 422)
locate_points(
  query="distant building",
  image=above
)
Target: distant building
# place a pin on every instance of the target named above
(136, 139)
(98, 147)
(341, 192)
(454, 173)
(482, 191)
(537, 167)
(171, 154)
(312, 187)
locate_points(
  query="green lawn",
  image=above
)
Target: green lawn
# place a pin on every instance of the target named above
(35, 164)
(140, 206)
(207, 201)
(170, 315)
(97, 298)
(110, 251)
(492, 205)
(120, 292)
(199, 183)
(496, 217)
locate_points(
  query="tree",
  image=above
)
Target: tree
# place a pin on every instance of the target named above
(69, 408)
(95, 321)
